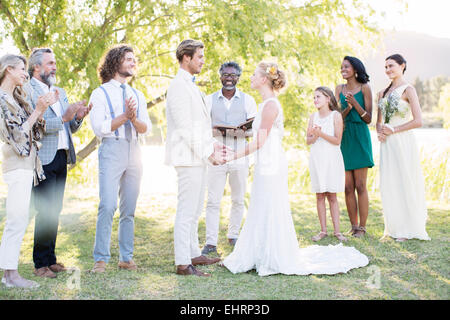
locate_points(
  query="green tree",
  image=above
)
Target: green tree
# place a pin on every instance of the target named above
(444, 104)
(307, 38)
(431, 89)
(418, 84)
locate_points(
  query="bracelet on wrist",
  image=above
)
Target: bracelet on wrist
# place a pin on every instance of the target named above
(390, 127)
(365, 112)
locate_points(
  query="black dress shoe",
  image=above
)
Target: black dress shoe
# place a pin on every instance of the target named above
(207, 249)
(190, 270)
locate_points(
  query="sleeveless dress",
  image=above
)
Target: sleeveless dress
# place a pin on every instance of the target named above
(326, 165)
(401, 180)
(268, 241)
(356, 145)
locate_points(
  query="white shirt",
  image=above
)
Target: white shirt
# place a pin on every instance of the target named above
(63, 140)
(250, 104)
(100, 114)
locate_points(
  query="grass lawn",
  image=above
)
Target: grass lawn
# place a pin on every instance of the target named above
(409, 270)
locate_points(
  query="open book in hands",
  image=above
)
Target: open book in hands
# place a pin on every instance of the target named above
(243, 126)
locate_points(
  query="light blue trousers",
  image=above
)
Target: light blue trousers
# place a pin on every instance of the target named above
(120, 172)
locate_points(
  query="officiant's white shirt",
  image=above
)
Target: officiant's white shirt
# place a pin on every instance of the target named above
(250, 104)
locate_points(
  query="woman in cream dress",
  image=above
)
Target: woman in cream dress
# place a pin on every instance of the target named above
(401, 179)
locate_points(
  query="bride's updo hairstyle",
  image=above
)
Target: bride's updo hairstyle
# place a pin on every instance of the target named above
(276, 76)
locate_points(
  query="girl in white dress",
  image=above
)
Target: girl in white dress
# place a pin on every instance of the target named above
(401, 179)
(326, 164)
(268, 242)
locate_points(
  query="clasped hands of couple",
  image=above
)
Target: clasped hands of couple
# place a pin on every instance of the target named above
(78, 109)
(222, 154)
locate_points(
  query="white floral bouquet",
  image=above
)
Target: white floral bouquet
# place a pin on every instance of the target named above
(389, 106)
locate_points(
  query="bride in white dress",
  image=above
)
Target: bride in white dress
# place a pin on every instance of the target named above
(401, 180)
(268, 241)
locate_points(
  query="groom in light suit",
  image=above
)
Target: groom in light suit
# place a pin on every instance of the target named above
(189, 147)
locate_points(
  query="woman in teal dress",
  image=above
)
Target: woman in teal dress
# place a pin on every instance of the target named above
(355, 97)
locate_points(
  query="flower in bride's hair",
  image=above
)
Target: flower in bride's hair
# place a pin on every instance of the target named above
(272, 70)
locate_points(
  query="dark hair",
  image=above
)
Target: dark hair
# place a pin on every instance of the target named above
(36, 58)
(400, 60)
(230, 64)
(112, 61)
(188, 48)
(360, 70)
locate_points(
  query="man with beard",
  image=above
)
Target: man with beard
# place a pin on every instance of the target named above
(230, 107)
(119, 114)
(61, 120)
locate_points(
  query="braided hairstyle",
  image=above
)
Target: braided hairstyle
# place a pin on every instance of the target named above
(400, 60)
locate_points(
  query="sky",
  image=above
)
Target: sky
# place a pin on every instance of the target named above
(422, 16)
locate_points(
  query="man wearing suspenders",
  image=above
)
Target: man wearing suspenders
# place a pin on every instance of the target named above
(118, 116)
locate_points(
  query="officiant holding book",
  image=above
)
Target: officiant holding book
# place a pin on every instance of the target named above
(229, 107)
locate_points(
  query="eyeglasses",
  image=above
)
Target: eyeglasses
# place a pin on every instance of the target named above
(230, 75)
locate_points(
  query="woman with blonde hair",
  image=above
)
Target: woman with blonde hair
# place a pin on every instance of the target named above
(21, 128)
(268, 241)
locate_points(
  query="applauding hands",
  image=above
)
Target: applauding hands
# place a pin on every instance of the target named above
(130, 109)
(79, 109)
(314, 133)
(45, 101)
(350, 99)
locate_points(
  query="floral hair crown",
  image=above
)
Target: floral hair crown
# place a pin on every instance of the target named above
(271, 70)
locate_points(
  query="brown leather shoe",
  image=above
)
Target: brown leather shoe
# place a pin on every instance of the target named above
(57, 267)
(190, 270)
(99, 267)
(129, 265)
(44, 272)
(202, 260)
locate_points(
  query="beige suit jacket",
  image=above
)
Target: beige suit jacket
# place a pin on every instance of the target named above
(189, 140)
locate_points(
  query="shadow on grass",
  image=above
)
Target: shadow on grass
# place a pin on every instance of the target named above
(410, 270)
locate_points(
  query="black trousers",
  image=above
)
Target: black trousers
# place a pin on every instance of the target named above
(48, 199)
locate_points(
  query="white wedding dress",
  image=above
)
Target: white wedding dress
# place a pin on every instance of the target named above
(268, 241)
